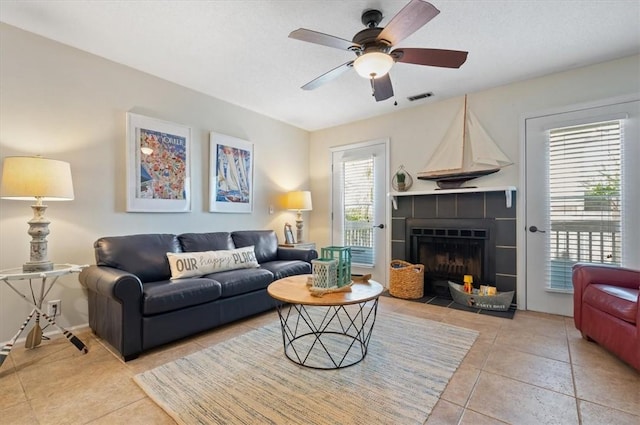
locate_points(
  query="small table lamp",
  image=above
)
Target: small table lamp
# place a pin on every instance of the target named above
(300, 201)
(25, 178)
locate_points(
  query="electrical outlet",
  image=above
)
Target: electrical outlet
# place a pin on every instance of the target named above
(54, 308)
(271, 209)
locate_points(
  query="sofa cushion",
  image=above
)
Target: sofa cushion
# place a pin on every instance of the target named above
(238, 282)
(617, 301)
(142, 255)
(281, 269)
(197, 242)
(265, 243)
(164, 296)
(190, 264)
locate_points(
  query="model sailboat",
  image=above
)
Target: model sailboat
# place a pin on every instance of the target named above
(466, 152)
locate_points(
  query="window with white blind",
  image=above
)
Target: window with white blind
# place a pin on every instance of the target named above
(584, 203)
(359, 209)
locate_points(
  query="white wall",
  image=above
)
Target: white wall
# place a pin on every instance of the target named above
(415, 133)
(66, 104)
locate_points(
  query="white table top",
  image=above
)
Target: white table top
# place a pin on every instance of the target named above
(58, 270)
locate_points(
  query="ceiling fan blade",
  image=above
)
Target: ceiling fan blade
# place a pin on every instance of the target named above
(328, 76)
(412, 17)
(321, 38)
(382, 88)
(431, 57)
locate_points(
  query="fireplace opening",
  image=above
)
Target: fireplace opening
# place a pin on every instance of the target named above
(450, 249)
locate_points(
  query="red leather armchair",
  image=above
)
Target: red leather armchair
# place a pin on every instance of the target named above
(605, 308)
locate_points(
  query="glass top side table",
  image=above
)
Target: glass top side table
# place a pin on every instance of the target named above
(35, 298)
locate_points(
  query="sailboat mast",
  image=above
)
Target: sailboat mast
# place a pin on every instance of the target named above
(464, 127)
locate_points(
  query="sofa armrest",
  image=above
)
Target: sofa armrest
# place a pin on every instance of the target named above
(112, 283)
(297, 254)
(115, 307)
(585, 274)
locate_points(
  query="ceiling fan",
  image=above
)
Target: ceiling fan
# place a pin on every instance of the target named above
(372, 46)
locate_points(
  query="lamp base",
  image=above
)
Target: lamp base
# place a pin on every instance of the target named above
(299, 224)
(39, 266)
(38, 230)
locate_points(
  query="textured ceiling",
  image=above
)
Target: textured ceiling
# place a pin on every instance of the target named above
(238, 51)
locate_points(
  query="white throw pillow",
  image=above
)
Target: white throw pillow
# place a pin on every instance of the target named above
(190, 264)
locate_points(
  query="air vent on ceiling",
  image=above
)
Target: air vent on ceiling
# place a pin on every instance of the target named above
(420, 96)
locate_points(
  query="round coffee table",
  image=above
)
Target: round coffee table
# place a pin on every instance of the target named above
(327, 332)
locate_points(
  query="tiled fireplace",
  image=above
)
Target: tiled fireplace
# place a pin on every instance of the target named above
(454, 234)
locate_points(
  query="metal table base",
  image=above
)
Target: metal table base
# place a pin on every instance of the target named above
(327, 337)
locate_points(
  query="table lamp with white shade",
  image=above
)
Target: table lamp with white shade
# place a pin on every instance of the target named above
(299, 201)
(32, 177)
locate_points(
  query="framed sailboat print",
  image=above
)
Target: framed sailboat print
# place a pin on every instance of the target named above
(230, 174)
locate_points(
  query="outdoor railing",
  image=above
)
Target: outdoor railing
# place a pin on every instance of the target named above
(586, 240)
(359, 236)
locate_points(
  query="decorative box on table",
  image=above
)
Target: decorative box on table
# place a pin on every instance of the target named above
(499, 302)
(325, 273)
(343, 255)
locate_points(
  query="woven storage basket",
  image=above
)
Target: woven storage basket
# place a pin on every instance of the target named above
(406, 280)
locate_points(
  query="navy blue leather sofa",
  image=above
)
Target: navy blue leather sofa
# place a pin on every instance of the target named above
(134, 305)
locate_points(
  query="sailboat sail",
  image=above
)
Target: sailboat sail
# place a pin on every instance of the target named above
(449, 154)
(466, 152)
(483, 148)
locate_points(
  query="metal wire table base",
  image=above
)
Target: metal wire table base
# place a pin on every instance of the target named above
(327, 337)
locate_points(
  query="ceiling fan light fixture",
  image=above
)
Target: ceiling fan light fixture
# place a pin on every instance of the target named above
(373, 64)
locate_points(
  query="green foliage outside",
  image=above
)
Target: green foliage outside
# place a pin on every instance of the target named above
(603, 195)
(360, 213)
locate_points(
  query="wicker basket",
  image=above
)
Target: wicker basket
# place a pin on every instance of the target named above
(406, 280)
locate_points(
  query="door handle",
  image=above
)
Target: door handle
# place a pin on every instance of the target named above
(380, 226)
(534, 229)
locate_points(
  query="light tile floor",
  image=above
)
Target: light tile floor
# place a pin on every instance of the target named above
(534, 369)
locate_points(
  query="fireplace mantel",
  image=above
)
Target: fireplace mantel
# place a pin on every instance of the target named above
(508, 190)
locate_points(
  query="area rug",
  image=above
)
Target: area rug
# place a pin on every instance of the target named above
(248, 380)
